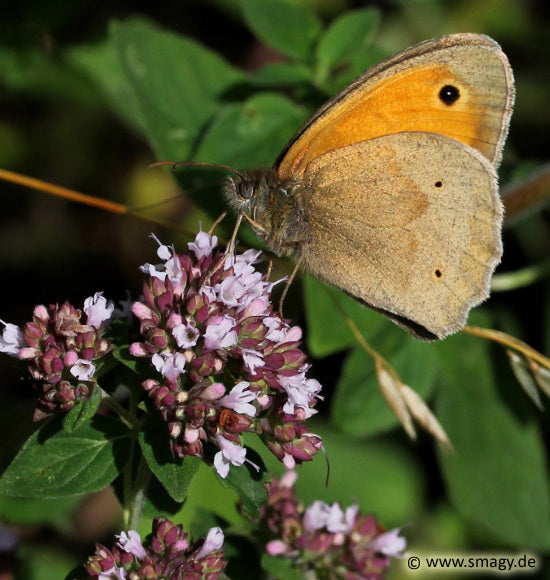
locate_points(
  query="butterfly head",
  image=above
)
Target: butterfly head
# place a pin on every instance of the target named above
(249, 194)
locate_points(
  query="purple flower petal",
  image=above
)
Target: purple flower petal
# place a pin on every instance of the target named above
(203, 245)
(214, 541)
(131, 543)
(186, 335)
(170, 365)
(390, 544)
(239, 399)
(219, 333)
(12, 339)
(229, 453)
(98, 309)
(83, 370)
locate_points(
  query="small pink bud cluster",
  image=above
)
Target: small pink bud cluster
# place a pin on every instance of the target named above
(62, 350)
(323, 540)
(168, 555)
(226, 362)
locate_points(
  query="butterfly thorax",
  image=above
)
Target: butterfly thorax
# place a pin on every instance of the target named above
(275, 207)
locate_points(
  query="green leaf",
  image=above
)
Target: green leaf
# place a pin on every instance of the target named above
(83, 411)
(326, 311)
(58, 513)
(206, 493)
(118, 331)
(358, 406)
(347, 34)
(281, 568)
(36, 72)
(100, 64)
(43, 563)
(282, 73)
(252, 133)
(249, 484)
(53, 463)
(358, 63)
(379, 475)
(496, 475)
(174, 474)
(286, 27)
(245, 135)
(122, 354)
(176, 84)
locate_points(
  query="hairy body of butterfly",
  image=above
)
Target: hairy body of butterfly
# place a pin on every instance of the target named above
(277, 208)
(389, 192)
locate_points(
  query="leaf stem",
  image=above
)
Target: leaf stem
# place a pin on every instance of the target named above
(134, 503)
(510, 342)
(128, 418)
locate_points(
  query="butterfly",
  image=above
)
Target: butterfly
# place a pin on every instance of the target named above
(389, 191)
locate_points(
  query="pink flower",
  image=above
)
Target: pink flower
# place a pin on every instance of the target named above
(98, 309)
(325, 538)
(209, 324)
(219, 333)
(276, 548)
(229, 454)
(83, 370)
(252, 359)
(12, 339)
(131, 543)
(214, 541)
(169, 365)
(390, 544)
(231, 291)
(186, 335)
(239, 399)
(315, 516)
(203, 245)
(341, 521)
(288, 461)
(301, 392)
(164, 252)
(166, 553)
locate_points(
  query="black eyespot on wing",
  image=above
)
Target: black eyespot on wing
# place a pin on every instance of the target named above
(438, 183)
(438, 273)
(449, 95)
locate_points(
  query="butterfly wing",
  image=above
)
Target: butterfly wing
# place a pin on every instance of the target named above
(418, 240)
(460, 86)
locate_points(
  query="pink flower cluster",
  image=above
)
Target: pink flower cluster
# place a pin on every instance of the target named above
(168, 555)
(226, 362)
(62, 349)
(325, 541)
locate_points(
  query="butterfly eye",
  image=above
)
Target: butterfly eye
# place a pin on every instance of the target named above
(449, 94)
(246, 189)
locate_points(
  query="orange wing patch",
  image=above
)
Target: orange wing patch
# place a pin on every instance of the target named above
(408, 101)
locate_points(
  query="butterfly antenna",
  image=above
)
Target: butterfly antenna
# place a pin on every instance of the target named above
(176, 164)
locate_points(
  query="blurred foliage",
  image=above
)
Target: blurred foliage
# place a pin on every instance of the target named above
(91, 94)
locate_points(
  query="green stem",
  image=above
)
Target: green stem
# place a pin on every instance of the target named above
(134, 480)
(134, 505)
(134, 487)
(128, 418)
